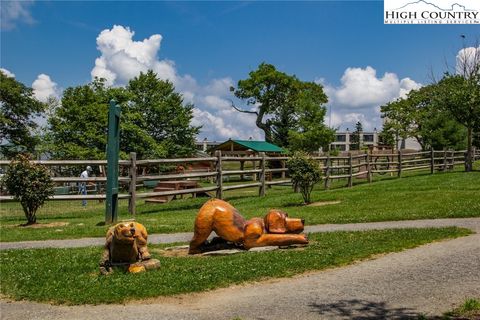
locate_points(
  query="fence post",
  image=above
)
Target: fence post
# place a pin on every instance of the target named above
(432, 161)
(452, 159)
(327, 172)
(399, 163)
(283, 167)
(242, 167)
(350, 170)
(369, 168)
(444, 160)
(262, 179)
(219, 194)
(133, 184)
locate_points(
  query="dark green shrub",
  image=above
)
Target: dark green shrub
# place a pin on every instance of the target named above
(28, 183)
(305, 172)
(334, 152)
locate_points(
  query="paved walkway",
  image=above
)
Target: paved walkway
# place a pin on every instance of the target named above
(471, 223)
(426, 280)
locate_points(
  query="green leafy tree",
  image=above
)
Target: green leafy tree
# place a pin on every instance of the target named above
(435, 127)
(386, 137)
(78, 126)
(441, 131)
(271, 90)
(309, 133)
(356, 143)
(30, 184)
(461, 96)
(154, 121)
(401, 120)
(17, 109)
(163, 114)
(283, 103)
(460, 93)
(424, 116)
(305, 172)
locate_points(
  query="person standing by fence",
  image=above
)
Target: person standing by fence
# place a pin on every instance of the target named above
(83, 185)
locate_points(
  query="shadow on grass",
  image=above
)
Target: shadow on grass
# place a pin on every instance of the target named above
(363, 310)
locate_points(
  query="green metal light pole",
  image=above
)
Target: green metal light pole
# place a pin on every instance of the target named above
(113, 146)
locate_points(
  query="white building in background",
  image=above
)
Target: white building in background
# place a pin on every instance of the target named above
(343, 140)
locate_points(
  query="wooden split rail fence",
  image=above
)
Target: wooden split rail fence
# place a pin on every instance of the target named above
(360, 166)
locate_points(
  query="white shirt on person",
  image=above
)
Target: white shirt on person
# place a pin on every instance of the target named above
(84, 174)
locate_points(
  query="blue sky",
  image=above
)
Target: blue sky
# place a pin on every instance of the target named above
(206, 46)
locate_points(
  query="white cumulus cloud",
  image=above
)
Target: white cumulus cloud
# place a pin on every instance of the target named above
(226, 124)
(123, 58)
(215, 102)
(219, 86)
(362, 88)
(407, 85)
(214, 126)
(360, 94)
(43, 88)
(7, 73)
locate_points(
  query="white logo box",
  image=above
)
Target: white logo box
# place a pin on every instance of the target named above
(431, 12)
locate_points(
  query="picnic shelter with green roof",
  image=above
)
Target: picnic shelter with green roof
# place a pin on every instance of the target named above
(247, 147)
(250, 148)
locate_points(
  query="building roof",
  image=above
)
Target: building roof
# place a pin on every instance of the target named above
(259, 146)
(256, 146)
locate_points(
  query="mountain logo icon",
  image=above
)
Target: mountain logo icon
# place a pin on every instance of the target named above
(454, 7)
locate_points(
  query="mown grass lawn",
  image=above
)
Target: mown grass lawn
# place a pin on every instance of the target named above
(71, 276)
(442, 195)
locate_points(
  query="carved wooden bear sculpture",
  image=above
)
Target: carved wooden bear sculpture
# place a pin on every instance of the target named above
(276, 229)
(125, 243)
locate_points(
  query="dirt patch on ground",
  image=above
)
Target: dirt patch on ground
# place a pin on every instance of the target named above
(173, 252)
(323, 203)
(41, 225)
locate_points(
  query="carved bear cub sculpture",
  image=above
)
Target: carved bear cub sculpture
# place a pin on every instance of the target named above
(276, 229)
(126, 245)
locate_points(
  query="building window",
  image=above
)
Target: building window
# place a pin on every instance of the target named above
(340, 138)
(368, 137)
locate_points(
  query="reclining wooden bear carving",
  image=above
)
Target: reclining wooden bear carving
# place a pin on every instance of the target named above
(126, 244)
(276, 229)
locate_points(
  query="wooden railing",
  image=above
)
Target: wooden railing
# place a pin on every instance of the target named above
(360, 166)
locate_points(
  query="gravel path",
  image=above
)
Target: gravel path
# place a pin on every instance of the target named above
(425, 280)
(187, 236)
